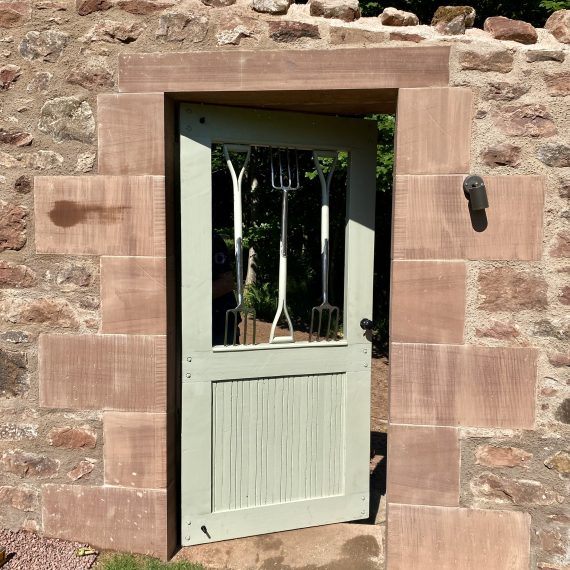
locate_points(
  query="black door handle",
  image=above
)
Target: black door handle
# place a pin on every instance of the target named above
(366, 324)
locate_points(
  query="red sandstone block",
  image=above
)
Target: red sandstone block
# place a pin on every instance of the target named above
(433, 130)
(245, 71)
(428, 301)
(100, 215)
(423, 466)
(422, 538)
(133, 295)
(453, 385)
(136, 449)
(115, 518)
(103, 372)
(432, 219)
(131, 133)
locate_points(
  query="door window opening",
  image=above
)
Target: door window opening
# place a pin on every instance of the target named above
(279, 275)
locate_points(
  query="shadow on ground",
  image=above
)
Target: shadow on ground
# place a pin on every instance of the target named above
(378, 452)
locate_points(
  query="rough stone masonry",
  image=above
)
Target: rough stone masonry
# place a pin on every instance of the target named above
(57, 55)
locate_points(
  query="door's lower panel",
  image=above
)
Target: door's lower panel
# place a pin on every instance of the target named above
(277, 440)
(276, 518)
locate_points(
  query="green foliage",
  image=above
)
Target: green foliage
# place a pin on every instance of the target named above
(131, 562)
(263, 297)
(384, 151)
(370, 9)
(554, 5)
(532, 11)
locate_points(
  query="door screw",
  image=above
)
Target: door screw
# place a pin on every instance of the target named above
(188, 375)
(189, 359)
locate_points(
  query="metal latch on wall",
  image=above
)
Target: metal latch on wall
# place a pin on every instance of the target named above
(476, 193)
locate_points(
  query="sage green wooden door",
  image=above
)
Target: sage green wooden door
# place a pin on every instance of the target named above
(274, 436)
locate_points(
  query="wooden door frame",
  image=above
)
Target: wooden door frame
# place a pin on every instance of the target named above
(433, 139)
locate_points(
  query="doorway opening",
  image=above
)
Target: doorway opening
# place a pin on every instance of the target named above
(380, 316)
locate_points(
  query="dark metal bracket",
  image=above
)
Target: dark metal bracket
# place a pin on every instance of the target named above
(476, 193)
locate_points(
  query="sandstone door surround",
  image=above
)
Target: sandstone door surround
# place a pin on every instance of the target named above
(432, 240)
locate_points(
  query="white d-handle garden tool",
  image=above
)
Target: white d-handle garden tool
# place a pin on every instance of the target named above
(284, 177)
(248, 313)
(325, 316)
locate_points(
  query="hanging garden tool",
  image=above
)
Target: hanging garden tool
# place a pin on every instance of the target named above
(284, 177)
(231, 331)
(325, 317)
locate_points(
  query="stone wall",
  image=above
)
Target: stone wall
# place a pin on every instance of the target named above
(521, 126)
(58, 55)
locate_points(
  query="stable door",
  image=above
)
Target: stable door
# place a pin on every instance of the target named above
(275, 367)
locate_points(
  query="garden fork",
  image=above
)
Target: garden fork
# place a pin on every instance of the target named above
(325, 312)
(232, 315)
(284, 177)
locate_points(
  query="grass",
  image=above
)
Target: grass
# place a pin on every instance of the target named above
(131, 562)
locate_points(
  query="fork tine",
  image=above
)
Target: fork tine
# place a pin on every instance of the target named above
(327, 329)
(232, 320)
(331, 323)
(226, 331)
(336, 322)
(236, 326)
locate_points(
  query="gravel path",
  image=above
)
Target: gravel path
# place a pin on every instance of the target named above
(28, 551)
